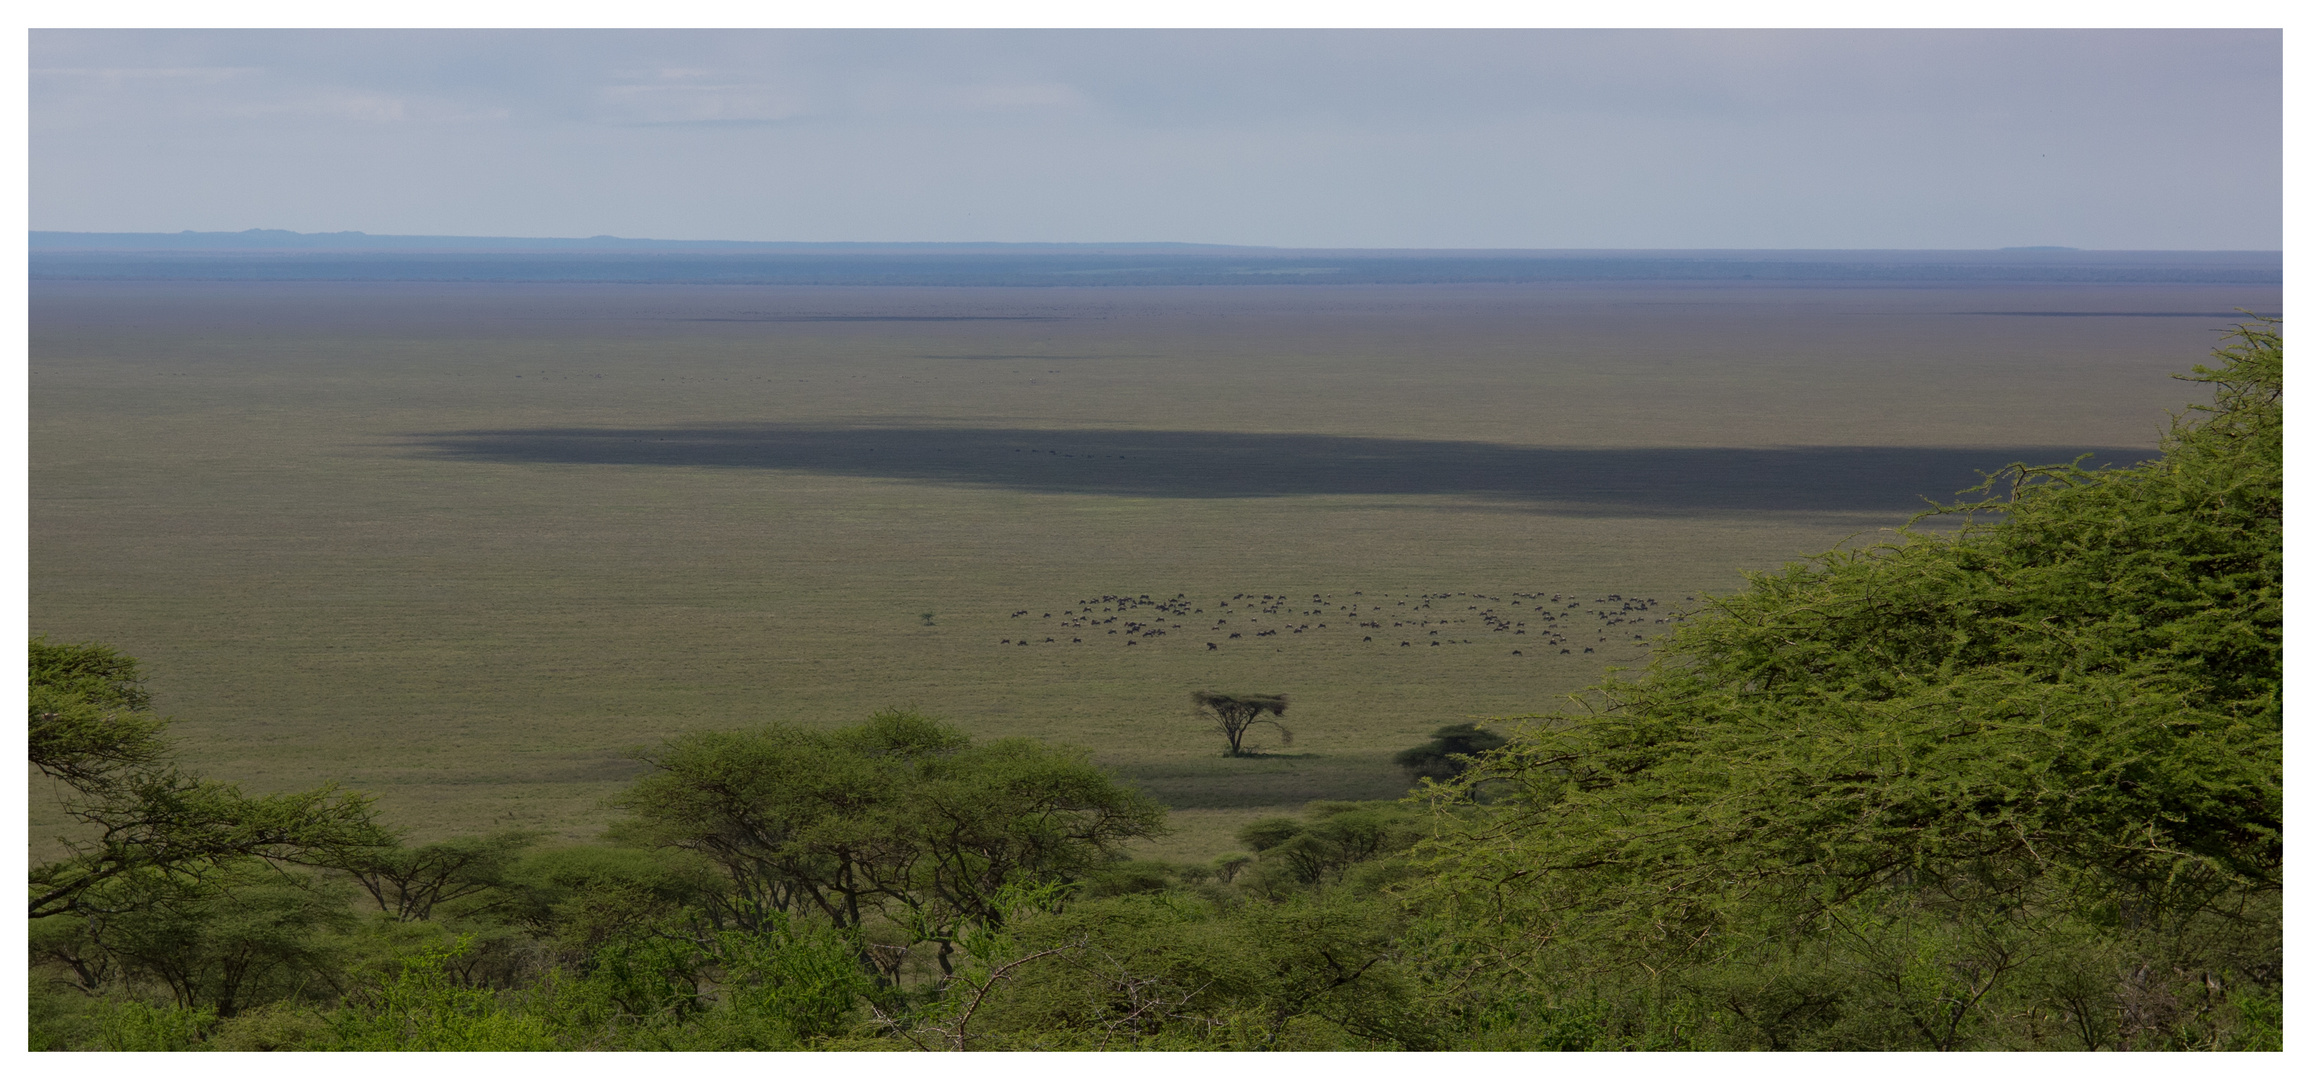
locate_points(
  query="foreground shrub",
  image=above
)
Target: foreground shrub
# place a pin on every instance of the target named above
(2017, 786)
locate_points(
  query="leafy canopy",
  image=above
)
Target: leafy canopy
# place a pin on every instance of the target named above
(91, 729)
(902, 817)
(2063, 719)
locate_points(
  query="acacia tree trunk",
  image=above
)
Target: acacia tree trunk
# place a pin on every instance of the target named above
(1234, 727)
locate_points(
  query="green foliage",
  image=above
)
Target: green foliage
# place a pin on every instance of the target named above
(98, 673)
(899, 820)
(271, 1028)
(89, 730)
(2255, 1023)
(1268, 832)
(423, 1007)
(89, 715)
(1915, 780)
(59, 1017)
(1135, 876)
(1016, 813)
(408, 883)
(171, 823)
(585, 897)
(791, 983)
(795, 818)
(1167, 971)
(1336, 838)
(239, 935)
(137, 1026)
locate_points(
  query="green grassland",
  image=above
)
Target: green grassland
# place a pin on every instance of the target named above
(465, 547)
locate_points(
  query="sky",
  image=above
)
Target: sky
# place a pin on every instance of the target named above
(1327, 139)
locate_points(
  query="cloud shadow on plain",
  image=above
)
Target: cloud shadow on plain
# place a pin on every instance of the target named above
(1225, 465)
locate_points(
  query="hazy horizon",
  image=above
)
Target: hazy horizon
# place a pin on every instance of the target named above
(258, 235)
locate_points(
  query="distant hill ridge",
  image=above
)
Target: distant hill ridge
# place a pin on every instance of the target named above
(282, 255)
(286, 240)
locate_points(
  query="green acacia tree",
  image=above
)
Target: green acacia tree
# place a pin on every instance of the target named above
(170, 881)
(91, 719)
(797, 819)
(1891, 797)
(408, 883)
(238, 934)
(92, 730)
(901, 819)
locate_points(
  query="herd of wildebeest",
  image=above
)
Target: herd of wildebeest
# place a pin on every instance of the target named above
(1553, 623)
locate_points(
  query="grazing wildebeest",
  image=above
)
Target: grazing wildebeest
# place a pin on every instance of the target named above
(1211, 645)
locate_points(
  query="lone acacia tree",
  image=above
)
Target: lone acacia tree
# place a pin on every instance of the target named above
(1236, 713)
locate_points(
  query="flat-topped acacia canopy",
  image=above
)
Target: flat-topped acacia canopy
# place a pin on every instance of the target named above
(1236, 713)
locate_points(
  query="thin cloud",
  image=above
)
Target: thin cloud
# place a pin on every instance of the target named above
(1518, 139)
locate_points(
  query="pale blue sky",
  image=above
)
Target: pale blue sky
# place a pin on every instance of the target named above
(1525, 139)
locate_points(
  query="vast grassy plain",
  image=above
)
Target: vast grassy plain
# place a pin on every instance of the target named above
(465, 547)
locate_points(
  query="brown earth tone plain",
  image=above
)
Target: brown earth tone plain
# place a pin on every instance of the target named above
(466, 547)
